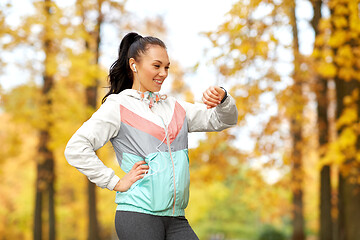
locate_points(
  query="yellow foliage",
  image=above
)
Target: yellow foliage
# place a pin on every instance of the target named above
(51, 66)
(355, 95)
(17, 197)
(357, 76)
(177, 84)
(316, 53)
(348, 117)
(347, 139)
(189, 96)
(338, 38)
(327, 70)
(340, 9)
(353, 34)
(340, 22)
(333, 155)
(202, 198)
(354, 16)
(346, 74)
(327, 54)
(324, 24)
(357, 64)
(356, 51)
(347, 100)
(344, 56)
(262, 48)
(246, 48)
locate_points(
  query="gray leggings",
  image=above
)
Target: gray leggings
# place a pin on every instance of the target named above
(133, 226)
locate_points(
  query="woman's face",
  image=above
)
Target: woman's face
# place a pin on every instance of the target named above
(152, 69)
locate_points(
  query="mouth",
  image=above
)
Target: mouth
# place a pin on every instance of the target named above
(158, 81)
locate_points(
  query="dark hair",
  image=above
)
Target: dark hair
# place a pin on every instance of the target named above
(132, 45)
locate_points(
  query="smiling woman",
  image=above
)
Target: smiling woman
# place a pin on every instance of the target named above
(143, 53)
(151, 69)
(149, 133)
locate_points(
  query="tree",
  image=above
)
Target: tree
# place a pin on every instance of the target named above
(321, 89)
(296, 129)
(251, 46)
(340, 53)
(45, 164)
(344, 41)
(92, 46)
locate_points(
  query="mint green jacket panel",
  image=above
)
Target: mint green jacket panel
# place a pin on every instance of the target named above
(155, 193)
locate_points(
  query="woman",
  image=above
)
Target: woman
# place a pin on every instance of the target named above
(149, 133)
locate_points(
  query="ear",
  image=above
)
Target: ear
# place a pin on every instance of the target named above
(131, 64)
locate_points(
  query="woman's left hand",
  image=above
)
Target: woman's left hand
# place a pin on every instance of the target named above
(213, 96)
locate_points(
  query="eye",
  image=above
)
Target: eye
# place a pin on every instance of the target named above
(167, 68)
(156, 66)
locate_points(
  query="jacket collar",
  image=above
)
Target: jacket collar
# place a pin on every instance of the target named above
(150, 98)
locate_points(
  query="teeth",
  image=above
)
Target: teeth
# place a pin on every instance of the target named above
(158, 81)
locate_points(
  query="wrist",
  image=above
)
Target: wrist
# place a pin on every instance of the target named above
(225, 96)
(113, 182)
(117, 186)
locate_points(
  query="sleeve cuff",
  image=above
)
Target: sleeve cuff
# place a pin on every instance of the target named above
(226, 95)
(113, 181)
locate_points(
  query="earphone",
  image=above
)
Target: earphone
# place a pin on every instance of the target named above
(134, 66)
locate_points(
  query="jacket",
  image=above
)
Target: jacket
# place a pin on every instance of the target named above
(158, 135)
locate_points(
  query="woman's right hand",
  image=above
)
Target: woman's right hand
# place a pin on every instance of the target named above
(137, 172)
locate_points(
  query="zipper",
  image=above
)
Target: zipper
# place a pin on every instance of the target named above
(172, 161)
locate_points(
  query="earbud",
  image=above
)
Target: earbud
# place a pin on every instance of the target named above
(134, 66)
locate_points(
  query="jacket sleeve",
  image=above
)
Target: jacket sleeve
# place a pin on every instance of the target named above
(103, 125)
(201, 119)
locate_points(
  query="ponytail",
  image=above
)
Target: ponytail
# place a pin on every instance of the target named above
(120, 75)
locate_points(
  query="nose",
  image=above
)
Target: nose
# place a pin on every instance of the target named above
(163, 72)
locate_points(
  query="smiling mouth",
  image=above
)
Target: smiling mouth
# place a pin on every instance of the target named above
(158, 81)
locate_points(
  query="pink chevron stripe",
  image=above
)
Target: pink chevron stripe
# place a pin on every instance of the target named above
(151, 128)
(141, 123)
(177, 122)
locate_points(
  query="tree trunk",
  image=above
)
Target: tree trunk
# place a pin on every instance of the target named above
(351, 209)
(93, 226)
(38, 208)
(297, 183)
(349, 185)
(91, 99)
(45, 164)
(340, 221)
(326, 223)
(349, 188)
(297, 138)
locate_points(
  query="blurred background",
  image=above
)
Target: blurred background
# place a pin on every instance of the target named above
(290, 169)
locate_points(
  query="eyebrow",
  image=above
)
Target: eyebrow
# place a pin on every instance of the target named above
(161, 62)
